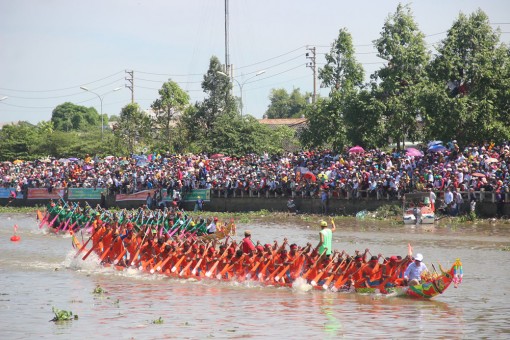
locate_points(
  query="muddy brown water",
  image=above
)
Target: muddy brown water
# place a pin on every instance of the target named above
(39, 273)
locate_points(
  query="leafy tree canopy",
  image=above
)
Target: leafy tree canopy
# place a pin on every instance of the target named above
(69, 117)
(285, 105)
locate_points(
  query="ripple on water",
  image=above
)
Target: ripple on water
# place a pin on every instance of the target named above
(201, 309)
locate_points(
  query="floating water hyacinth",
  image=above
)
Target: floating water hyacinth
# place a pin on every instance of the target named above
(63, 315)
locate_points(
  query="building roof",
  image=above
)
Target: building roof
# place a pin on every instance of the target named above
(290, 122)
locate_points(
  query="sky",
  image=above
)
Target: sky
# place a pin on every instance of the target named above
(49, 48)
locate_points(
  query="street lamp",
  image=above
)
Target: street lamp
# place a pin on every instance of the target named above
(242, 84)
(101, 100)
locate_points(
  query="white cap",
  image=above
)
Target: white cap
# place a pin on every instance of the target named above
(419, 257)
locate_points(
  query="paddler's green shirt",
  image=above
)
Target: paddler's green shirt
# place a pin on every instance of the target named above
(327, 234)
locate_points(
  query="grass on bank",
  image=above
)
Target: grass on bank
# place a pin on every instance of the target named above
(389, 213)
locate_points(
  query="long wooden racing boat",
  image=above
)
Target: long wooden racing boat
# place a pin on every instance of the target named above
(193, 258)
(64, 218)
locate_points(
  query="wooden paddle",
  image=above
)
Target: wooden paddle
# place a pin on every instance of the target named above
(327, 282)
(95, 245)
(382, 286)
(305, 275)
(194, 270)
(321, 273)
(215, 264)
(140, 246)
(342, 279)
(178, 263)
(287, 267)
(85, 244)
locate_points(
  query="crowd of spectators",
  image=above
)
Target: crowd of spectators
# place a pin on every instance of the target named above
(307, 173)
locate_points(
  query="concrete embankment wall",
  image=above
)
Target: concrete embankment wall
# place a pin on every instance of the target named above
(277, 204)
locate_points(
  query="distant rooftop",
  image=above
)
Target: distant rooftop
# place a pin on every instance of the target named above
(2, 124)
(290, 122)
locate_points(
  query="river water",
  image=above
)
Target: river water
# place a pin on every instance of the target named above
(40, 272)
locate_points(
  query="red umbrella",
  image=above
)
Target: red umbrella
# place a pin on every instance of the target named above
(217, 155)
(477, 174)
(356, 149)
(310, 176)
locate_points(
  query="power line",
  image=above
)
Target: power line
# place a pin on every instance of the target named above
(63, 89)
(278, 56)
(169, 75)
(275, 84)
(159, 81)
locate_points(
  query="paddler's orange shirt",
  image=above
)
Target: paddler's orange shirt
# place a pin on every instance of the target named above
(97, 235)
(280, 260)
(373, 273)
(118, 247)
(357, 271)
(238, 265)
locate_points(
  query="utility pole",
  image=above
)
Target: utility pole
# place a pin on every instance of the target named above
(227, 56)
(131, 85)
(313, 65)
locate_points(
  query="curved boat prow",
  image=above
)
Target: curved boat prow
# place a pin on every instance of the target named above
(438, 285)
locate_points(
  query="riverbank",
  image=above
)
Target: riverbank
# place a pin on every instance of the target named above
(384, 216)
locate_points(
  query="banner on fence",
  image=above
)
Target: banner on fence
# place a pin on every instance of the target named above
(165, 197)
(84, 193)
(192, 196)
(6, 193)
(137, 196)
(44, 194)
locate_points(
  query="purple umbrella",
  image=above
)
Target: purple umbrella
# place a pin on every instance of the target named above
(414, 152)
(87, 167)
(356, 149)
(437, 148)
(73, 159)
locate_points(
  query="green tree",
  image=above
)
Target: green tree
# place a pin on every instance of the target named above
(240, 136)
(285, 105)
(133, 128)
(468, 98)
(363, 119)
(344, 76)
(199, 121)
(341, 69)
(402, 45)
(172, 101)
(325, 128)
(18, 141)
(68, 117)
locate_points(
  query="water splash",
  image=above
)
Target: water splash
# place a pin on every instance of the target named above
(301, 285)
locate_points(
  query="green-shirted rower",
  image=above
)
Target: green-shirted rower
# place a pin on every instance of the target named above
(326, 237)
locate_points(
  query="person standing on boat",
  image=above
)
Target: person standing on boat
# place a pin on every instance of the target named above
(247, 246)
(412, 275)
(326, 237)
(211, 228)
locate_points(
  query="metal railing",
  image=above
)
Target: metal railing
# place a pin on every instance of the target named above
(340, 194)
